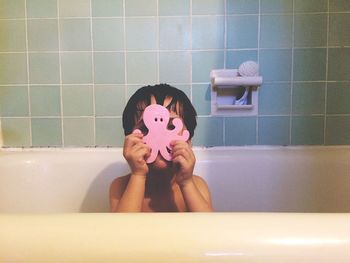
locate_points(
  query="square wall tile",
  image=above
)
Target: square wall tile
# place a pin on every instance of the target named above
(276, 31)
(201, 98)
(16, 132)
(75, 34)
(43, 35)
(208, 7)
(242, 6)
(45, 100)
(203, 62)
(310, 64)
(337, 130)
(240, 131)
(141, 34)
(302, 6)
(41, 9)
(107, 8)
(307, 130)
(339, 32)
(47, 132)
(338, 97)
(308, 98)
(14, 101)
(108, 34)
(13, 68)
(76, 8)
(175, 67)
(235, 58)
(44, 68)
(12, 35)
(76, 68)
(174, 33)
(274, 99)
(141, 67)
(109, 68)
(131, 89)
(77, 100)
(12, 9)
(109, 100)
(78, 131)
(276, 6)
(242, 31)
(208, 32)
(339, 5)
(174, 8)
(310, 30)
(273, 130)
(186, 88)
(338, 64)
(141, 8)
(109, 132)
(209, 132)
(276, 65)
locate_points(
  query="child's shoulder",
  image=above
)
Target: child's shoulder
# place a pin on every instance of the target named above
(200, 183)
(198, 179)
(120, 182)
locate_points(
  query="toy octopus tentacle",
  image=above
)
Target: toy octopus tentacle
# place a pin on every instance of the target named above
(164, 152)
(153, 156)
(185, 135)
(178, 125)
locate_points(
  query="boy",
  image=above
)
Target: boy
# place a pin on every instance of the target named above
(161, 186)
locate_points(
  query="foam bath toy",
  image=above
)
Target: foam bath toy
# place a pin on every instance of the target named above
(158, 138)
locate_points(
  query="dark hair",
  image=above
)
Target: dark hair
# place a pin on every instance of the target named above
(142, 98)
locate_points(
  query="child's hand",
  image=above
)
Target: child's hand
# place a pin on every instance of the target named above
(136, 152)
(183, 161)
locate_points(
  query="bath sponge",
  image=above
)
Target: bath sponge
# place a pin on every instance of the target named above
(248, 69)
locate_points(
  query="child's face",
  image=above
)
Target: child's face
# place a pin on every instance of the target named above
(160, 163)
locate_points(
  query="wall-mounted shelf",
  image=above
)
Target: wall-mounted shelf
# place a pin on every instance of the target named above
(233, 94)
(230, 78)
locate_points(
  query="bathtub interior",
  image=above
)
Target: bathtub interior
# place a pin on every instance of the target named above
(241, 179)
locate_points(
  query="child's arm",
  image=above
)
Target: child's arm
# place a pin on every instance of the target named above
(194, 189)
(127, 196)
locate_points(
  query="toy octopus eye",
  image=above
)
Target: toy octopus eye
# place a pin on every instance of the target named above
(161, 119)
(156, 119)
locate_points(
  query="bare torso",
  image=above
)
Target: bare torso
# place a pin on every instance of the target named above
(157, 198)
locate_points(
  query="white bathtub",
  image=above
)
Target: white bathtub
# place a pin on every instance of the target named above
(241, 179)
(58, 183)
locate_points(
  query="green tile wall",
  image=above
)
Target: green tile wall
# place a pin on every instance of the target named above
(68, 67)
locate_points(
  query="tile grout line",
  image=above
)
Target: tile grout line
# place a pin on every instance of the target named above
(326, 84)
(125, 54)
(178, 83)
(169, 50)
(225, 62)
(292, 78)
(258, 54)
(191, 54)
(93, 77)
(60, 70)
(158, 41)
(28, 75)
(180, 16)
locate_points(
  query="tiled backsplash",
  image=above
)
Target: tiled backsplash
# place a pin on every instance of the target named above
(68, 67)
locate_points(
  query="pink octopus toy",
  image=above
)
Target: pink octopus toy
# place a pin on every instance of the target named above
(158, 138)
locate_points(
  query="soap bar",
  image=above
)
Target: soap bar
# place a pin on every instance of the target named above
(156, 119)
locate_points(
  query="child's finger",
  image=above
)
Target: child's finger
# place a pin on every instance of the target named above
(182, 149)
(132, 139)
(141, 146)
